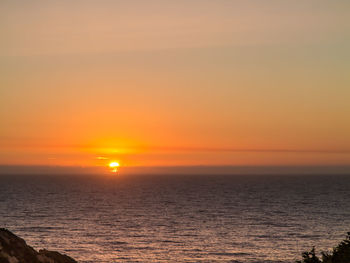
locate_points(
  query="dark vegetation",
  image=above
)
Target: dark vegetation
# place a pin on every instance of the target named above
(340, 254)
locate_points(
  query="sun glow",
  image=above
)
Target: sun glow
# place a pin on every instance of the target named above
(114, 166)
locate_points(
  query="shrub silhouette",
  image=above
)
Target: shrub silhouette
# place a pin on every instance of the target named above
(310, 257)
(340, 254)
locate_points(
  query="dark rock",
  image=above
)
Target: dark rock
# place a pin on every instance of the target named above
(14, 249)
(56, 257)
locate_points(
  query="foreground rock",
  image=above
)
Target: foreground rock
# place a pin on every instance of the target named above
(14, 249)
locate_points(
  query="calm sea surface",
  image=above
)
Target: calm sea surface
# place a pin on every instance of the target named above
(177, 218)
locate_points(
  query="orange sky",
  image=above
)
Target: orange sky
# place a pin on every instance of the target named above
(157, 83)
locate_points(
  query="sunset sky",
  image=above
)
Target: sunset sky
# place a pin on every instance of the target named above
(172, 83)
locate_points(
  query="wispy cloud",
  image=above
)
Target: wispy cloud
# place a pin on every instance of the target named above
(249, 150)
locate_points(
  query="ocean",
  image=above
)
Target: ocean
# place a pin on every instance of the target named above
(177, 218)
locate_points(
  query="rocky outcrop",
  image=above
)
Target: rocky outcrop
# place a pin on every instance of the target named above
(14, 249)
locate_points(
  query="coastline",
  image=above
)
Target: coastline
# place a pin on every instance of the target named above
(14, 249)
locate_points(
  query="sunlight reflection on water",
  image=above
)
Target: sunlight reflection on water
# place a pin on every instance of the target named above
(177, 218)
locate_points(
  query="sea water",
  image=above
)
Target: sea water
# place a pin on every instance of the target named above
(180, 218)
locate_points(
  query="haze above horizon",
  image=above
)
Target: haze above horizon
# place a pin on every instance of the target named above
(175, 83)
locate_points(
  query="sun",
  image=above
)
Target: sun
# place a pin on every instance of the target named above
(114, 166)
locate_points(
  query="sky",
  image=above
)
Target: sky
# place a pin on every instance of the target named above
(173, 83)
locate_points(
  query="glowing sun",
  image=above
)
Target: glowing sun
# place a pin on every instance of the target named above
(114, 166)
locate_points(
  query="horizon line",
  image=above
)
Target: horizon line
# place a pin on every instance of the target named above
(341, 169)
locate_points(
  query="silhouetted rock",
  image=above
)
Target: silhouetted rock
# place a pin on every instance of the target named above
(14, 249)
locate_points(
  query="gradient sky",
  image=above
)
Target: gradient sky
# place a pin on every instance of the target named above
(159, 82)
